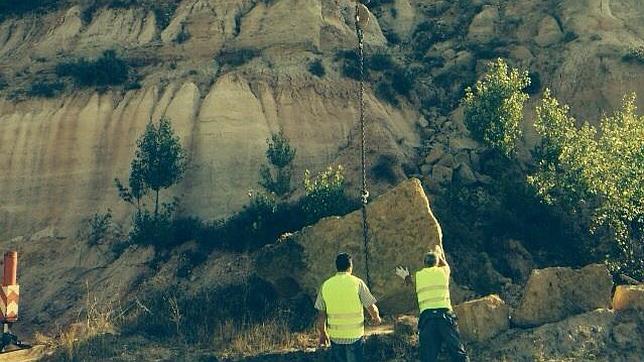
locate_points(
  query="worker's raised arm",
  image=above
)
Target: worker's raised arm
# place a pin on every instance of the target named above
(442, 261)
(403, 273)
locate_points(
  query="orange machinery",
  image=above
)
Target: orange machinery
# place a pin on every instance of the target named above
(9, 297)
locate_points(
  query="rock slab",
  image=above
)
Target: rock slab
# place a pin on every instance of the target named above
(402, 228)
(553, 294)
(628, 297)
(483, 318)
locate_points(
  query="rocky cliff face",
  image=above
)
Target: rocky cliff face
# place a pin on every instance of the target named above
(59, 156)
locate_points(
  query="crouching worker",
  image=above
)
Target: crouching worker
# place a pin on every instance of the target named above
(340, 301)
(437, 322)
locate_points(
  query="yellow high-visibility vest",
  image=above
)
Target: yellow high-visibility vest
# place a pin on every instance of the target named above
(432, 288)
(344, 312)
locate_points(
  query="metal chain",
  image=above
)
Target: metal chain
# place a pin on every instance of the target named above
(364, 194)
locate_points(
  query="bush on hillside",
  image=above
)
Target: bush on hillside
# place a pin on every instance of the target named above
(635, 55)
(385, 92)
(494, 107)
(380, 61)
(350, 63)
(107, 70)
(45, 89)
(596, 174)
(237, 57)
(22, 7)
(317, 68)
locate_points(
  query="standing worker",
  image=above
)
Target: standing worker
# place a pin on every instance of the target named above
(340, 302)
(437, 322)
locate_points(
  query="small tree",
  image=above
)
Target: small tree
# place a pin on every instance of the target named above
(597, 174)
(159, 163)
(276, 177)
(494, 108)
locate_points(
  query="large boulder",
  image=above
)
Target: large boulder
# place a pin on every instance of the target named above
(483, 318)
(402, 228)
(553, 294)
(483, 27)
(549, 32)
(628, 297)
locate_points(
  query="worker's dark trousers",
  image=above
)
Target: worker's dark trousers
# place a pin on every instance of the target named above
(438, 326)
(348, 352)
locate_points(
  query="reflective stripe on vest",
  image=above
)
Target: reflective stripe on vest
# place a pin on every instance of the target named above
(432, 289)
(345, 317)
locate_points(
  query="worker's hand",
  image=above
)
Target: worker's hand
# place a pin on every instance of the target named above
(377, 321)
(324, 340)
(403, 273)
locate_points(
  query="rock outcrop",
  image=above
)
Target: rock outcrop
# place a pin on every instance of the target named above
(552, 294)
(599, 335)
(628, 297)
(483, 318)
(402, 228)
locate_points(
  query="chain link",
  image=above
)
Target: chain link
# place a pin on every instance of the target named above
(364, 194)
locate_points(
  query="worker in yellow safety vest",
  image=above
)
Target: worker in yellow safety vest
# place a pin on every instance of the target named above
(340, 303)
(437, 322)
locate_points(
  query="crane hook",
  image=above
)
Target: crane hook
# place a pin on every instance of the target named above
(362, 13)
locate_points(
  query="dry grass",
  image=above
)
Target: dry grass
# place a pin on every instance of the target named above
(253, 339)
(98, 316)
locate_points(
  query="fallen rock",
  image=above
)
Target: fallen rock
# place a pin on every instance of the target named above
(628, 297)
(553, 294)
(402, 228)
(549, 32)
(483, 26)
(483, 318)
(426, 169)
(462, 143)
(594, 336)
(46, 233)
(442, 174)
(447, 161)
(516, 260)
(465, 175)
(434, 155)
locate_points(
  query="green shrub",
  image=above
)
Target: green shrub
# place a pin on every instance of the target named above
(494, 108)
(317, 68)
(535, 83)
(183, 36)
(402, 81)
(100, 225)
(350, 63)
(276, 176)
(163, 9)
(377, 3)
(635, 55)
(392, 37)
(325, 195)
(106, 70)
(3, 82)
(21, 7)
(385, 168)
(427, 34)
(45, 89)
(570, 36)
(385, 92)
(596, 174)
(237, 57)
(380, 62)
